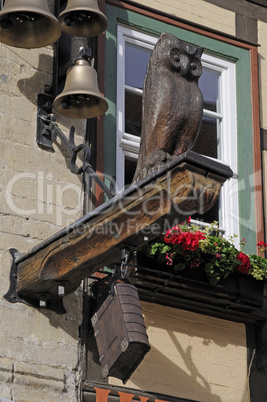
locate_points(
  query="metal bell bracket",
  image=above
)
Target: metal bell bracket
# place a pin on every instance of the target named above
(45, 119)
(47, 133)
(84, 53)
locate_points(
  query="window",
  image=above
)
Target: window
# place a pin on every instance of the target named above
(231, 66)
(217, 138)
(134, 50)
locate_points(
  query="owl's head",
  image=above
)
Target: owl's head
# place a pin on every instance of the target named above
(183, 58)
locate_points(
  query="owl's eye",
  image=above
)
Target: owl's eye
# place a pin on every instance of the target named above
(176, 59)
(193, 66)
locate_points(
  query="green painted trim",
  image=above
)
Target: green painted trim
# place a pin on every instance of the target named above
(244, 109)
(110, 95)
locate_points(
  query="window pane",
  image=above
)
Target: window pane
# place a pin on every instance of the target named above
(130, 167)
(136, 59)
(133, 113)
(209, 85)
(210, 216)
(207, 143)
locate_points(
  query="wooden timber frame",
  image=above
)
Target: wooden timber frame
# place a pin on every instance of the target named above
(54, 268)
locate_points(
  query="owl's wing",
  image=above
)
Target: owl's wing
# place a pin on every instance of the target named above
(156, 104)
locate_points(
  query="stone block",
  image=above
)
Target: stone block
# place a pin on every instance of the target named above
(21, 243)
(29, 57)
(14, 107)
(32, 81)
(11, 224)
(17, 323)
(7, 124)
(39, 230)
(6, 371)
(38, 371)
(33, 351)
(10, 71)
(30, 388)
(5, 392)
(25, 159)
(48, 334)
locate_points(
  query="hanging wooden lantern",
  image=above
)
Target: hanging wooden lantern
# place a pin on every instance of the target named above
(120, 332)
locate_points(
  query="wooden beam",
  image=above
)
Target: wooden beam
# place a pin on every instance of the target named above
(190, 183)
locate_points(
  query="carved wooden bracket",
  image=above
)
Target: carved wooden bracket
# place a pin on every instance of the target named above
(189, 183)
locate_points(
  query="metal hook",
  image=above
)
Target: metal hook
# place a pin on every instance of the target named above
(86, 159)
(125, 256)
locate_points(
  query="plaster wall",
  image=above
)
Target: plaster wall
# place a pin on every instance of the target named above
(192, 356)
(38, 196)
(197, 11)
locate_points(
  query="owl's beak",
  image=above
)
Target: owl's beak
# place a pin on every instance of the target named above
(185, 69)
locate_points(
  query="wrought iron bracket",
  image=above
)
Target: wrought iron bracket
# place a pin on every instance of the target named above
(84, 53)
(12, 297)
(47, 133)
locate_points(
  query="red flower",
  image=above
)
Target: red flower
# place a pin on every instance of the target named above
(262, 244)
(187, 240)
(169, 260)
(195, 263)
(188, 220)
(244, 266)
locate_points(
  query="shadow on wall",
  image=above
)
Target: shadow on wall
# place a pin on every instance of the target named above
(31, 87)
(180, 378)
(193, 356)
(71, 320)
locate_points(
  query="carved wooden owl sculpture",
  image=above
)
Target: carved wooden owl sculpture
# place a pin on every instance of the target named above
(172, 104)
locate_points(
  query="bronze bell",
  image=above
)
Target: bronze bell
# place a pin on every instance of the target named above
(80, 97)
(28, 24)
(83, 18)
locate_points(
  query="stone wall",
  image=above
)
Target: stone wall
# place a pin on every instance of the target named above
(39, 195)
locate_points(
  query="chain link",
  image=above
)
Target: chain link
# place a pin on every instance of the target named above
(124, 266)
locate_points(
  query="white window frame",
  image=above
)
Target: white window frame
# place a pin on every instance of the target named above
(128, 145)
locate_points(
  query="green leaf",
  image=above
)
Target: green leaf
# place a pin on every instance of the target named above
(154, 248)
(214, 281)
(165, 249)
(179, 267)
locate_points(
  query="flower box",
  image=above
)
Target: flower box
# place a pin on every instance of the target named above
(190, 288)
